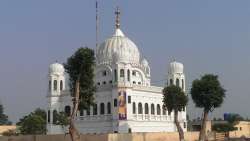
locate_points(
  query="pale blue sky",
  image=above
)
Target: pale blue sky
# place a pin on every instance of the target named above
(206, 36)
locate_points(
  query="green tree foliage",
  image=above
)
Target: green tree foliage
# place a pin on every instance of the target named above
(3, 118)
(207, 93)
(34, 123)
(232, 120)
(60, 119)
(80, 67)
(174, 99)
(41, 113)
(223, 127)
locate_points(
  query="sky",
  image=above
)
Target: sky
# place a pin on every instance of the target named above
(206, 36)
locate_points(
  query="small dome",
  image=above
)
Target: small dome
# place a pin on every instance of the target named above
(144, 62)
(56, 68)
(118, 48)
(176, 67)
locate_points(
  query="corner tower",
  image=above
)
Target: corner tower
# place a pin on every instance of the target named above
(56, 80)
(176, 77)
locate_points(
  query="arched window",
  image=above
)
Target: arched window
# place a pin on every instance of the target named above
(55, 85)
(81, 112)
(61, 85)
(54, 116)
(109, 108)
(95, 109)
(134, 73)
(115, 75)
(177, 82)
(121, 72)
(128, 73)
(88, 111)
(49, 85)
(129, 130)
(164, 111)
(140, 108)
(147, 70)
(67, 110)
(146, 108)
(102, 109)
(171, 81)
(152, 109)
(158, 109)
(182, 84)
(129, 99)
(48, 116)
(104, 73)
(184, 109)
(115, 102)
(134, 108)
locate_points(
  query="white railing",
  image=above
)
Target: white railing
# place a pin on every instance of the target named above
(148, 117)
(95, 118)
(148, 88)
(136, 117)
(139, 117)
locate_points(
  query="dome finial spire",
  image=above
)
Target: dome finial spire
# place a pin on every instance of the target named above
(117, 18)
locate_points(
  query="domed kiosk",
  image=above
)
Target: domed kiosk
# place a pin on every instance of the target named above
(56, 68)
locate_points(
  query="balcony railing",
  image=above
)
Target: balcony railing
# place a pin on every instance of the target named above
(95, 118)
(148, 117)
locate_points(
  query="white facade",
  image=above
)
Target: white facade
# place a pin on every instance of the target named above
(125, 100)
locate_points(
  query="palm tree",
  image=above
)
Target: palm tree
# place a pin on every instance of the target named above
(174, 99)
(207, 93)
(80, 67)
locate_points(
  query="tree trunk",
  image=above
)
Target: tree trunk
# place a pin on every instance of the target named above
(202, 135)
(177, 123)
(74, 134)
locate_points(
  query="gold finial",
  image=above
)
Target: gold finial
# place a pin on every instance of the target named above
(117, 19)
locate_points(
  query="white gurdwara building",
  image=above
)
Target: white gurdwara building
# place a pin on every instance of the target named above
(125, 100)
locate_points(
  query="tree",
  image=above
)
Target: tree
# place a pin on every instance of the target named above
(40, 112)
(207, 93)
(174, 99)
(3, 118)
(34, 123)
(223, 127)
(80, 67)
(232, 120)
(60, 118)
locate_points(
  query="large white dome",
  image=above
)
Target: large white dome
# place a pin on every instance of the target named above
(118, 48)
